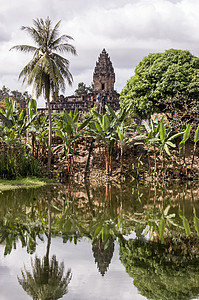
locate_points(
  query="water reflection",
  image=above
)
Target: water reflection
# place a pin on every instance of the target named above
(103, 254)
(163, 271)
(47, 280)
(106, 215)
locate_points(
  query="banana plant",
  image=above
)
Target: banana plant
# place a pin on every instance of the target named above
(196, 139)
(69, 129)
(16, 121)
(105, 129)
(150, 139)
(166, 138)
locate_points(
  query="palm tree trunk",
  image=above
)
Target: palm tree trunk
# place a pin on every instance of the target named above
(49, 136)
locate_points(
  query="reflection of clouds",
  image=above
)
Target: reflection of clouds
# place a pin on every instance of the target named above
(86, 282)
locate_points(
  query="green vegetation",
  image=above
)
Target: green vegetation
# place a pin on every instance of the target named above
(20, 183)
(158, 149)
(158, 77)
(47, 70)
(83, 89)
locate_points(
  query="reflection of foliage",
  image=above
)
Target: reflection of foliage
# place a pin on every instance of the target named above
(48, 281)
(163, 271)
(103, 255)
(11, 232)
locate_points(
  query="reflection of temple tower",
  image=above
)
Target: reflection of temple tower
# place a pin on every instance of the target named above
(104, 76)
(102, 255)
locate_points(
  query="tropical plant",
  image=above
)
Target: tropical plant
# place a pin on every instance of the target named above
(47, 69)
(16, 121)
(157, 137)
(104, 128)
(149, 138)
(69, 129)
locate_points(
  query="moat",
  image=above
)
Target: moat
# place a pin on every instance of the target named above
(127, 241)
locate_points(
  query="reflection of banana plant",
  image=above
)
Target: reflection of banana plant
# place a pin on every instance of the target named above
(157, 224)
(12, 231)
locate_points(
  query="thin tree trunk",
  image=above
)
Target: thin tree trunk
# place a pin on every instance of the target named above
(88, 159)
(49, 136)
(194, 151)
(121, 160)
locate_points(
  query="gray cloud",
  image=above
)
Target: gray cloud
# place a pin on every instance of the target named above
(129, 30)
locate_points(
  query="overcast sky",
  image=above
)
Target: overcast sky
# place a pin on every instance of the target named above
(128, 30)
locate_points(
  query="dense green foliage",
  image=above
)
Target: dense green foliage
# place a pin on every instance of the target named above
(83, 89)
(162, 272)
(159, 76)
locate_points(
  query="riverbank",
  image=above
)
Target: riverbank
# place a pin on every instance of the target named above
(28, 182)
(137, 164)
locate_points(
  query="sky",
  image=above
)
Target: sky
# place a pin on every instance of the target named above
(128, 30)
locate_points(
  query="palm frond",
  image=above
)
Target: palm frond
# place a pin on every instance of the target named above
(36, 36)
(65, 48)
(54, 34)
(24, 48)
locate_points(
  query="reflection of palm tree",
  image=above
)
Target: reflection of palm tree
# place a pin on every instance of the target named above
(47, 281)
(103, 255)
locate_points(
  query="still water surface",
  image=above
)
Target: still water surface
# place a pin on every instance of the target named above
(86, 242)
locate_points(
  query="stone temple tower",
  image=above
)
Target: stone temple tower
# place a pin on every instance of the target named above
(102, 94)
(104, 75)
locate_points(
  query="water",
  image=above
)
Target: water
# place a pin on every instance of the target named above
(90, 230)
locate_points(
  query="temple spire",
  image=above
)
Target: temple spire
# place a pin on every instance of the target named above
(104, 75)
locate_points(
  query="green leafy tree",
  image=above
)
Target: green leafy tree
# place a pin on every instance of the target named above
(83, 89)
(159, 76)
(47, 69)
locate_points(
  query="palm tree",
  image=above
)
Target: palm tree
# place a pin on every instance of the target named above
(47, 69)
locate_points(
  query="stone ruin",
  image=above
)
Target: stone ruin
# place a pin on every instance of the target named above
(103, 92)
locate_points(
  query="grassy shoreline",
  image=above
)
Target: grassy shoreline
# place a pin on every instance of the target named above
(28, 182)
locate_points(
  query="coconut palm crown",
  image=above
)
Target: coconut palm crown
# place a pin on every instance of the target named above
(47, 69)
